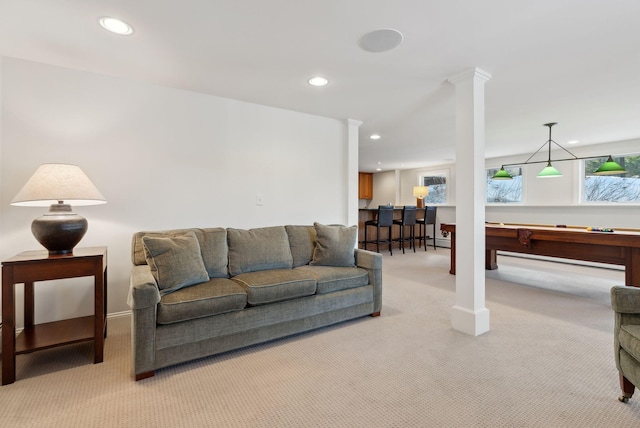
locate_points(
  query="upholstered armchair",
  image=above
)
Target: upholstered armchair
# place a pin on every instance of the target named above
(626, 304)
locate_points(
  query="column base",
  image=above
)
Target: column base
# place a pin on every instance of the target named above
(470, 322)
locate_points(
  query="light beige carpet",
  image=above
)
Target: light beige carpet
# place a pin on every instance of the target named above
(547, 362)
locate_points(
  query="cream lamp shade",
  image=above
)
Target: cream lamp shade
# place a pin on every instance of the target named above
(420, 192)
(54, 182)
(58, 186)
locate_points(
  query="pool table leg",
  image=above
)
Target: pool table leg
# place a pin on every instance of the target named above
(632, 275)
(491, 259)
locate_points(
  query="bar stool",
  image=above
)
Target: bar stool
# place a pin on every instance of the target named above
(384, 219)
(408, 219)
(429, 218)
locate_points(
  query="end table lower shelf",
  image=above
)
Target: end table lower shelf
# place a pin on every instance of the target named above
(57, 333)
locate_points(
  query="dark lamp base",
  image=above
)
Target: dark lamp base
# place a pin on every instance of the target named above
(60, 229)
(419, 203)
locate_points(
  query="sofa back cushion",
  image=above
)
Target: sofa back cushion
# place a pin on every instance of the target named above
(302, 240)
(213, 247)
(258, 249)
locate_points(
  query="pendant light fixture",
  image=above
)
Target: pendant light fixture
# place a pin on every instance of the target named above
(608, 168)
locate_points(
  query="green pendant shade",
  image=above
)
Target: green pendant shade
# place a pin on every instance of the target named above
(610, 168)
(549, 172)
(502, 174)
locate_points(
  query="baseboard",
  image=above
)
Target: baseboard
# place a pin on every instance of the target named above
(119, 314)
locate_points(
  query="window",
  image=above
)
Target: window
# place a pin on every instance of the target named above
(612, 188)
(504, 191)
(437, 184)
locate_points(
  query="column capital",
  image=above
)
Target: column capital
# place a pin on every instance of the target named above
(474, 72)
(353, 122)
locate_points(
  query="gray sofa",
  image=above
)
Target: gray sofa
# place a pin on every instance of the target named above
(200, 292)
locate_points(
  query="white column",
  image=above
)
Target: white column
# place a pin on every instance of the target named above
(2, 252)
(469, 314)
(398, 188)
(352, 171)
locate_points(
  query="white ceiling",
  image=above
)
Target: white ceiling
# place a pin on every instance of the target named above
(575, 62)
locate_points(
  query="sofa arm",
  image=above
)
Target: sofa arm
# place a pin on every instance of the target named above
(143, 291)
(625, 300)
(372, 262)
(143, 299)
(368, 259)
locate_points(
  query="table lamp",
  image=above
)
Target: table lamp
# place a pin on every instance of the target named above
(60, 229)
(420, 192)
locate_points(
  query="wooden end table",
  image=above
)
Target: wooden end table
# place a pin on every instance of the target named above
(31, 266)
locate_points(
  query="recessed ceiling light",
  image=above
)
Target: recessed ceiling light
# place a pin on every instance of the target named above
(379, 163)
(378, 169)
(318, 81)
(380, 40)
(573, 142)
(115, 26)
(375, 137)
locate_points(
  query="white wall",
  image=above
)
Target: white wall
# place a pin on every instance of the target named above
(384, 189)
(163, 158)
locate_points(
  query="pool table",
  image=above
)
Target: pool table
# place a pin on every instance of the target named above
(617, 247)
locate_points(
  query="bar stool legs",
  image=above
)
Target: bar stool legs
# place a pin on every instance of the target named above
(412, 237)
(408, 219)
(429, 219)
(383, 220)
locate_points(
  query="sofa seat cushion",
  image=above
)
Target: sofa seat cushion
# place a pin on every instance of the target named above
(268, 286)
(330, 279)
(217, 296)
(629, 338)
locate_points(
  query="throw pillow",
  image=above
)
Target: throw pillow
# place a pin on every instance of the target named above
(335, 245)
(175, 261)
